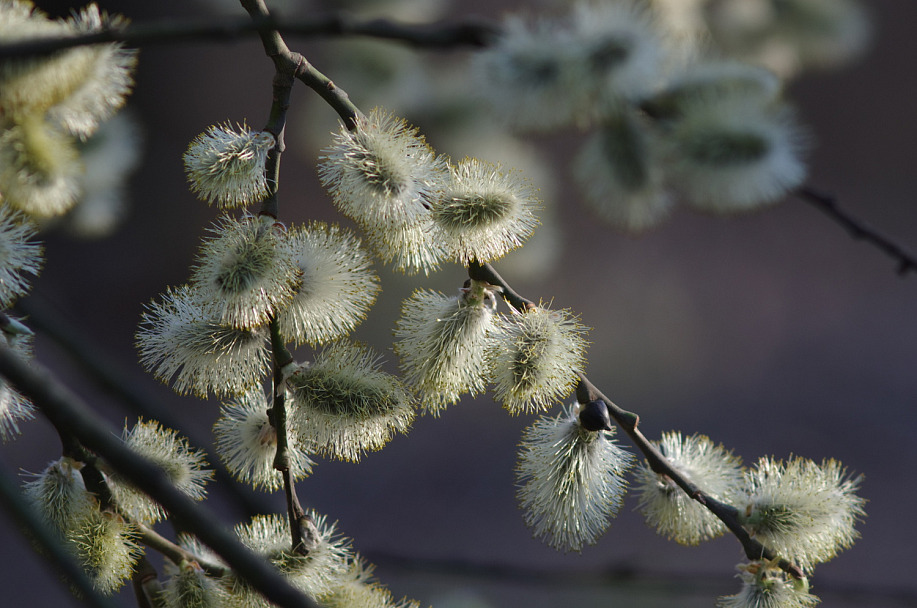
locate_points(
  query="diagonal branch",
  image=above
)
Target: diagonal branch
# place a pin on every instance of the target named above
(628, 422)
(859, 230)
(67, 411)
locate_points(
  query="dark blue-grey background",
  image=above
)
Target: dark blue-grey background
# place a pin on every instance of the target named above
(773, 333)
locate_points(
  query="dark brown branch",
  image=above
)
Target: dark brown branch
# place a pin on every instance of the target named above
(297, 515)
(469, 33)
(857, 229)
(67, 411)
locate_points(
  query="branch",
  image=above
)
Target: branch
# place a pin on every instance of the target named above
(67, 411)
(857, 229)
(471, 33)
(628, 421)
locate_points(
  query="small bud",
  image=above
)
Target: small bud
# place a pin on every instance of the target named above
(594, 416)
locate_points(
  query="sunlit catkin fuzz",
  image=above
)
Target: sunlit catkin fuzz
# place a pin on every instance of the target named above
(343, 404)
(667, 508)
(186, 345)
(412, 247)
(443, 341)
(335, 289)
(484, 211)
(244, 271)
(107, 82)
(182, 464)
(106, 547)
(59, 495)
(14, 406)
(246, 442)
(534, 358)
(358, 588)
(620, 171)
(315, 572)
(39, 167)
(766, 586)
(803, 511)
(226, 165)
(20, 255)
(571, 481)
(382, 172)
(733, 156)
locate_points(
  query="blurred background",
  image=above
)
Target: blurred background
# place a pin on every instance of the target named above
(774, 333)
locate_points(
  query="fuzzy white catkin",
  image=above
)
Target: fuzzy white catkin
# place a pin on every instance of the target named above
(246, 442)
(802, 510)
(670, 510)
(343, 404)
(226, 165)
(184, 344)
(571, 481)
(244, 271)
(484, 211)
(443, 341)
(534, 358)
(335, 287)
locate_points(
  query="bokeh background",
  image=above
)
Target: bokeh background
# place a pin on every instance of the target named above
(773, 333)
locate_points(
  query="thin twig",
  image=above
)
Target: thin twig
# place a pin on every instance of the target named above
(67, 411)
(859, 230)
(628, 422)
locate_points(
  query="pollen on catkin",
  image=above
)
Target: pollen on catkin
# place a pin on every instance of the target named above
(226, 165)
(315, 572)
(184, 344)
(244, 272)
(803, 511)
(484, 212)
(246, 442)
(382, 172)
(343, 404)
(667, 508)
(443, 341)
(20, 255)
(182, 464)
(106, 547)
(534, 358)
(335, 287)
(571, 480)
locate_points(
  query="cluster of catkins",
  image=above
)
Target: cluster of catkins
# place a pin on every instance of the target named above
(715, 131)
(49, 105)
(674, 96)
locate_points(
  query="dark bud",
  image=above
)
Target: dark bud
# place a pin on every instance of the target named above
(594, 416)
